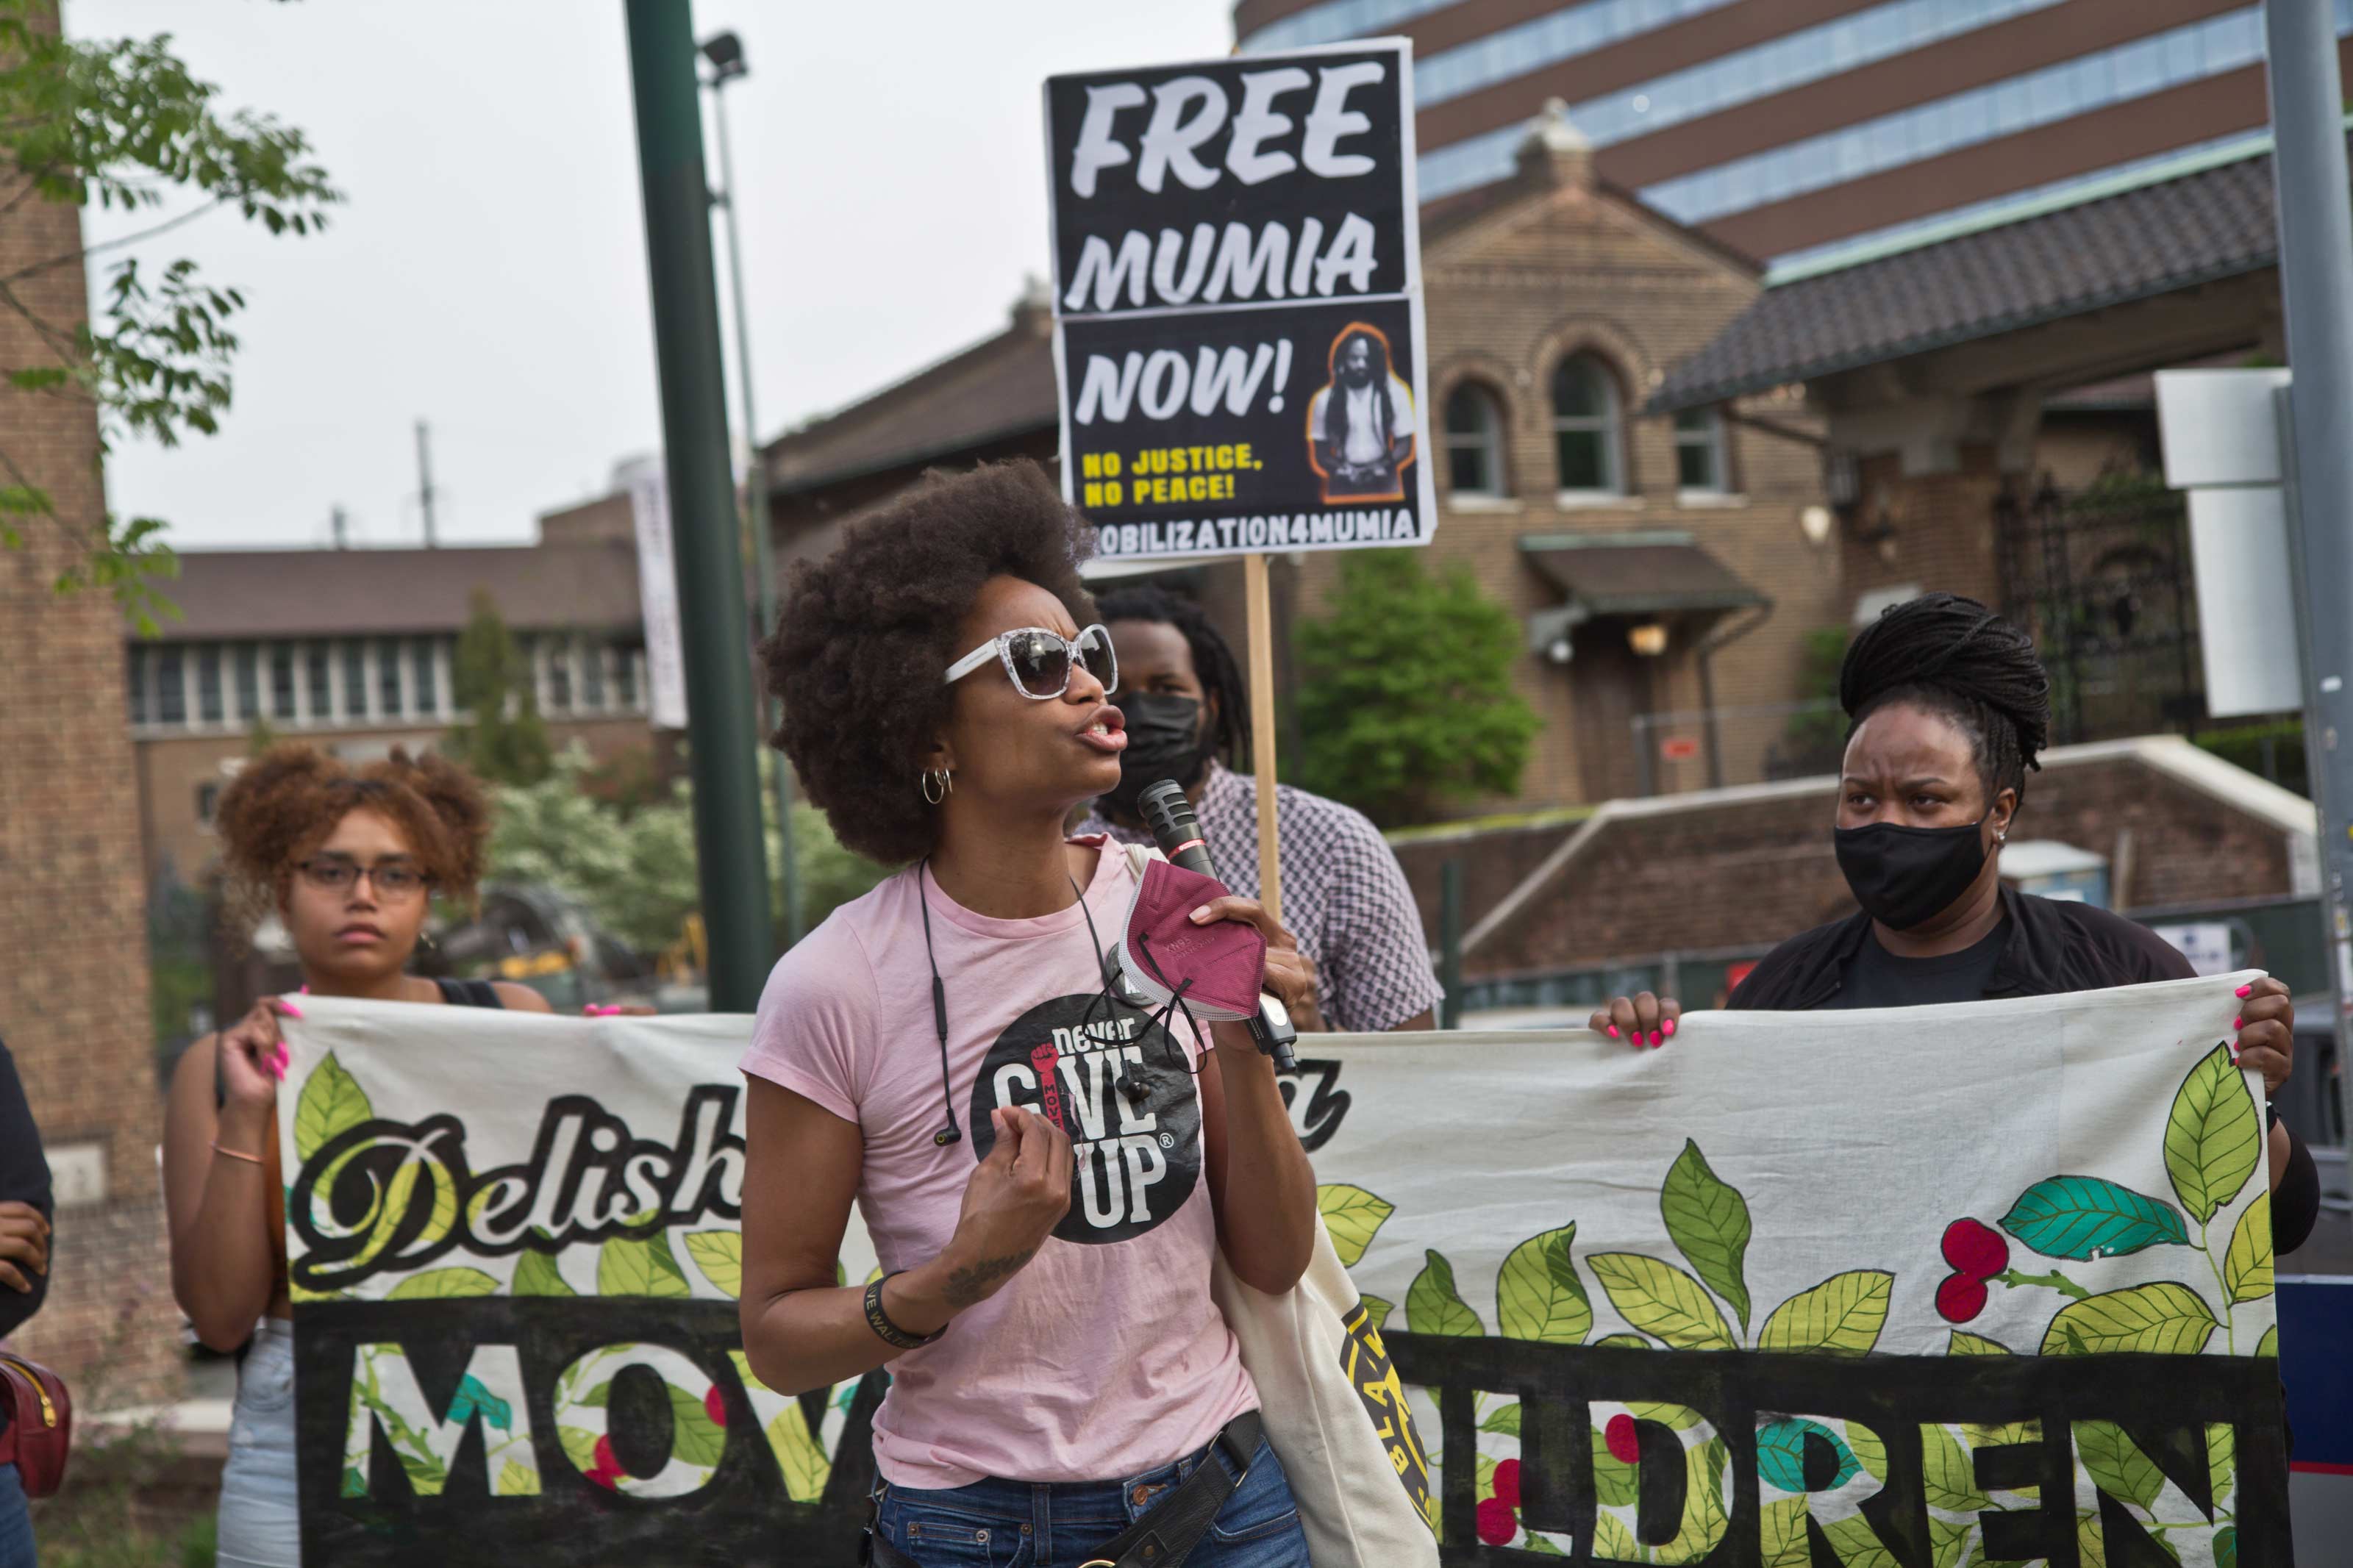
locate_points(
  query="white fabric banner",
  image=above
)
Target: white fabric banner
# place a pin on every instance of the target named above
(1926, 1288)
(658, 593)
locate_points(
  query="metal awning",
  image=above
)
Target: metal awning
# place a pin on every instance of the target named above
(1646, 571)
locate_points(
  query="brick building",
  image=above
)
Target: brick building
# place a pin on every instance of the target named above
(352, 649)
(1555, 303)
(73, 997)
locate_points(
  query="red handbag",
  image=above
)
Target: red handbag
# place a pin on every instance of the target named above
(40, 1424)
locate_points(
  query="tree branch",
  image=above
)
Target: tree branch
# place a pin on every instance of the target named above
(128, 239)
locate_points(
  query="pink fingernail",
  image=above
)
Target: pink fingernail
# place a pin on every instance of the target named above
(2244, 990)
(1668, 1028)
(1613, 1031)
(306, 991)
(2238, 1023)
(1657, 1039)
(289, 1008)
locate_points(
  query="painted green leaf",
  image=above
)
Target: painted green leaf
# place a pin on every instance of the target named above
(800, 1455)
(1781, 1531)
(579, 1446)
(1613, 1542)
(1486, 1478)
(535, 1274)
(1376, 1311)
(356, 1483)
(517, 1480)
(1950, 1478)
(1353, 1216)
(1840, 1316)
(1538, 1295)
(2091, 1541)
(1681, 1418)
(2213, 1138)
(2247, 1267)
(440, 1284)
(1615, 1483)
(1538, 1545)
(2221, 1458)
(1974, 1344)
(1432, 1306)
(626, 1266)
(1623, 1343)
(1870, 1449)
(331, 1102)
(694, 1436)
(1707, 1219)
(1781, 1454)
(1858, 1545)
(2081, 1218)
(1661, 1300)
(2164, 1317)
(1947, 1541)
(2115, 1463)
(2226, 1547)
(1505, 1419)
(2269, 1344)
(472, 1399)
(720, 1255)
(2002, 1434)
(595, 1398)
(1704, 1519)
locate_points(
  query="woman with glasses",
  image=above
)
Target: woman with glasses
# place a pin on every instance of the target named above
(348, 859)
(1044, 1168)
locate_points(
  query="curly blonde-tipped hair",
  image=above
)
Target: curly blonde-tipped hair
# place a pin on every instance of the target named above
(287, 802)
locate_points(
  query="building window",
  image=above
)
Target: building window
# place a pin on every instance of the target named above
(559, 674)
(593, 654)
(428, 684)
(1474, 442)
(208, 683)
(355, 685)
(1585, 425)
(1699, 449)
(625, 666)
(281, 681)
(171, 687)
(319, 669)
(249, 681)
(387, 676)
(135, 668)
(208, 803)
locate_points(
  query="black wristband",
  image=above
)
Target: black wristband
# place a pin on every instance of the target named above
(888, 1332)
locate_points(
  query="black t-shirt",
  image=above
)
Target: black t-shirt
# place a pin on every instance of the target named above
(25, 1179)
(1878, 978)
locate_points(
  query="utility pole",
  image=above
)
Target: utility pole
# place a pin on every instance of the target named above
(725, 52)
(425, 482)
(341, 523)
(2315, 222)
(677, 190)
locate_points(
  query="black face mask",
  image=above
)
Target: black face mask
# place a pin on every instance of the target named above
(1905, 877)
(1164, 741)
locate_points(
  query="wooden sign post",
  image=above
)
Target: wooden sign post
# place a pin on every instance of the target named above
(1261, 700)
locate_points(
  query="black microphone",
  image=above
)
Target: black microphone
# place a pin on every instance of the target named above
(1177, 832)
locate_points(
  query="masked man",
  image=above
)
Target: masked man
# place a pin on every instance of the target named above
(1344, 894)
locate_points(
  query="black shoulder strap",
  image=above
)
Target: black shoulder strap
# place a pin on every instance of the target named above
(470, 993)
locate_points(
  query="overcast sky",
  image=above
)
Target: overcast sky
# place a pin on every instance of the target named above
(487, 272)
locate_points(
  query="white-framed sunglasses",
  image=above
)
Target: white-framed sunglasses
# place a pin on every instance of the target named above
(1038, 661)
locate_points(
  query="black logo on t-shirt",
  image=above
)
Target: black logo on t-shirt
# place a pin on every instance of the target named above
(1119, 1085)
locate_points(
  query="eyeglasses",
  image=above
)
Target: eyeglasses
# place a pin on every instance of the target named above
(1038, 661)
(393, 879)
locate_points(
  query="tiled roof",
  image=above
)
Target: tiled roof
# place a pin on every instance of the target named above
(359, 593)
(2169, 233)
(997, 389)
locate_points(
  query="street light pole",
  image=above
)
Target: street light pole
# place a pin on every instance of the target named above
(709, 555)
(725, 52)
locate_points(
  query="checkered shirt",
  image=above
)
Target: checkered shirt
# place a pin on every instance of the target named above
(1344, 896)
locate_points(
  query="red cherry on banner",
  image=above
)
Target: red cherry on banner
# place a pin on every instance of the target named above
(1976, 1249)
(1960, 1298)
(714, 1406)
(1507, 1483)
(1497, 1524)
(1624, 1446)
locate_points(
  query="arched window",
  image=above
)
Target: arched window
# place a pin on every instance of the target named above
(1474, 442)
(1699, 450)
(1585, 426)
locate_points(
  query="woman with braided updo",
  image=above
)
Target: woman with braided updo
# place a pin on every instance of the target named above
(348, 858)
(1947, 708)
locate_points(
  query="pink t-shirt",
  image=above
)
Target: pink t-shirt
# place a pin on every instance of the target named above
(1104, 1357)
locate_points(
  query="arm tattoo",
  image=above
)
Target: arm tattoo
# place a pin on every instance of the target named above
(965, 1285)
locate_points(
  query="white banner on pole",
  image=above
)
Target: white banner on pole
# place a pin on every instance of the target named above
(658, 593)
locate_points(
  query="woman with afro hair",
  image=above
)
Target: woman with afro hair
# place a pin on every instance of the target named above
(1948, 707)
(348, 859)
(934, 1049)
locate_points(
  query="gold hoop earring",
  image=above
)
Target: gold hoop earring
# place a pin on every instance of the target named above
(937, 784)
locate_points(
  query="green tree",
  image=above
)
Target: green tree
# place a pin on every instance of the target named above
(1405, 700)
(121, 124)
(1817, 732)
(504, 741)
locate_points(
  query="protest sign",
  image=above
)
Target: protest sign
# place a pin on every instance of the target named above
(1930, 1289)
(1238, 294)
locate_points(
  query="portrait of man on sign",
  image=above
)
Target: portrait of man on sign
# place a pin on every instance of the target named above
(1360, 426)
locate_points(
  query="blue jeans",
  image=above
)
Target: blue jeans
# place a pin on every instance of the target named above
(15, 1522)
(1016, 1524)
